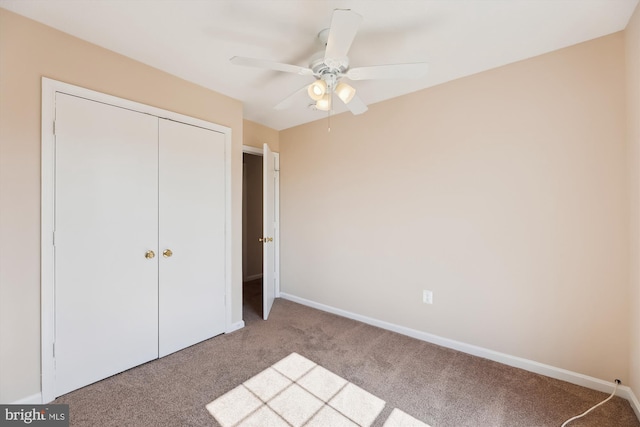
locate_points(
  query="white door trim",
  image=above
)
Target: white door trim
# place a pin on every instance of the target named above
(252, 150)
(258, 152)
(49, 89)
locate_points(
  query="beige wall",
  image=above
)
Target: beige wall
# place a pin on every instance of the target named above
(505, 193)
(255, 135)
(632, 38)
(29, 51)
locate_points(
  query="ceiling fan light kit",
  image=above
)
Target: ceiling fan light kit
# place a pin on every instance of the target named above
(331, 65)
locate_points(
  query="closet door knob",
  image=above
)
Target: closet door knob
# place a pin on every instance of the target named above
(260, 239)
(149, 254)
(167, 253)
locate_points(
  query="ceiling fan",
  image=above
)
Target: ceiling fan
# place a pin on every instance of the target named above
(331, 65)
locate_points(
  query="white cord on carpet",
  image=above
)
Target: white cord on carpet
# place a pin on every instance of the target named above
(617, 382)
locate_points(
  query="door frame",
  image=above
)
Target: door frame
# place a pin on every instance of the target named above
(258, 152)
(47, 231)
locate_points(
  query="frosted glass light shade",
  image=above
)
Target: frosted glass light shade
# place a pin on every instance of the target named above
(345, 92)
(324, 103)
(317, 90)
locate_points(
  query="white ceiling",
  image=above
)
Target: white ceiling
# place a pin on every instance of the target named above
(194, 39)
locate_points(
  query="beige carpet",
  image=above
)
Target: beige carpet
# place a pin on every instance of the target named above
(438, 386)
(298, 392)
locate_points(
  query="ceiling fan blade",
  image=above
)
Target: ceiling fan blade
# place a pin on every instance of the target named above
(344, 26)
(271, 65)
(392, 71)
(356, 106)
(288, 101)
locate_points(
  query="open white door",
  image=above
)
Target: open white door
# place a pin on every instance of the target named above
(268, 231)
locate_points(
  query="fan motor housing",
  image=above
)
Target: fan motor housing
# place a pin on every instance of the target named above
(321, 65)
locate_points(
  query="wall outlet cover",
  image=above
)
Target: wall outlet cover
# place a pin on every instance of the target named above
(427, 297)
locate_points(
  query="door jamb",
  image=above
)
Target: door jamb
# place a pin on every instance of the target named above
(47, 231)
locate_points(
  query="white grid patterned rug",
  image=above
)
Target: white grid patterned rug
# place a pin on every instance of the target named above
(298, 392)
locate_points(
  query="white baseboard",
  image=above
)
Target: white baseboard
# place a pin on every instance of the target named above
(506, 359)
(633, 400)
(235, 326)
(34, 399)
(252, 277)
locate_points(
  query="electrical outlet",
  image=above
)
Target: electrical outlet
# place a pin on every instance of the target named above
(427, 297)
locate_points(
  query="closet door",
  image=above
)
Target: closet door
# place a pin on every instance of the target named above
(106, 298)
(192, 235)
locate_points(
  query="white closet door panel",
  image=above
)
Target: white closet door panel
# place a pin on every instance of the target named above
(192, 227)
(105, 220)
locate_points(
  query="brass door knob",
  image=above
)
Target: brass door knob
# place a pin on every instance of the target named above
(149, 254)
(167, 253)
(269, 239)
(260, 239)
